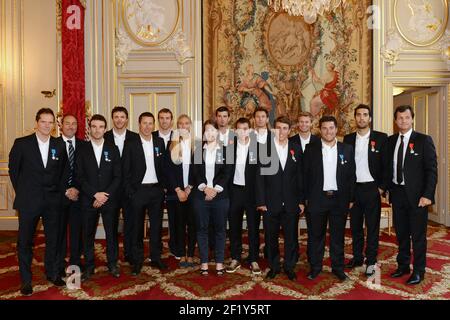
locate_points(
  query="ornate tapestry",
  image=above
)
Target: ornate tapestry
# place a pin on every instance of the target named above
(256, 57)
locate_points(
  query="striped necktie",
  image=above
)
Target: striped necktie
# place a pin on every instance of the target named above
(71, 161)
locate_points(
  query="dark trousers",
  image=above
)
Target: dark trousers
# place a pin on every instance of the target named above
(171, 205)
(147, 198)
(110, 220)
(70, 220)
(410, 224)
(185, 226)
(215, 211)
(335, 216)
(128, 227)
(308, 234)
(273, 221)
(367, 208)
(28, 221)
(239, 204)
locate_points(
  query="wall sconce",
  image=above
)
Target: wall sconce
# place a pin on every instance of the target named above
(49, 94)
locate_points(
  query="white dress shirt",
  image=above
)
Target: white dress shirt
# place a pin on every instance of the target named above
(241, 160)
(282, 152)
(119, 140)
(98, 151)
(165, 137)
(406, 138)
(224, 137)
(362, 158)
(186, 158)
(150, 172)
(329, 158)
(262, 136)
(67, 145)
(43, 148)
(210, 166)
(304, 142)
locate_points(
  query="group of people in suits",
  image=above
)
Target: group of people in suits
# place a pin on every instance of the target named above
(209, 182)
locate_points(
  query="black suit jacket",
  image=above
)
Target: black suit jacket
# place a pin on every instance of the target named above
(222, 171)
(129, 136)
(76, 184)
(419, 168)
(314, 175)
(156, 135)
(134, 166)
(174, 174)
(377, 149)
(93, 179)
(35, 185)
(251, 167)
(297, 140)
(285, 186)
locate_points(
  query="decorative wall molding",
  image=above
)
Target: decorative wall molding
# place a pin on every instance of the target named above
(391, 50)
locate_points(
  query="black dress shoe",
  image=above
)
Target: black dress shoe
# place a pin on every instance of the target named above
(400, 272)
(353, 264)
(340, 275)
(313, 274)
(415, 278)
(158, 264)
(136, 270)
(87, 275)
(26, 290)
(114, 271)
(271, 274)
(58, 282)
(291, 275)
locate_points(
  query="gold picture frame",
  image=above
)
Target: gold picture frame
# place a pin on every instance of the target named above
(423, 13)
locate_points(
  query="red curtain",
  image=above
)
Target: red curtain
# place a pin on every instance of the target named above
(72, 36)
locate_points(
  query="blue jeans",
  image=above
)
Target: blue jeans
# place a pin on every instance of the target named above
(217, 212)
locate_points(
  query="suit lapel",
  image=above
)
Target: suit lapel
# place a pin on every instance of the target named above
(37, 151)
(91, 156)
(340, 159)
(409, 155)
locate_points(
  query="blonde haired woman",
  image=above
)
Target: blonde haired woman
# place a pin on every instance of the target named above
(180, 180)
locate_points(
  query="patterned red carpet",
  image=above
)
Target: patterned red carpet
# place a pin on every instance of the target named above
(188, 284)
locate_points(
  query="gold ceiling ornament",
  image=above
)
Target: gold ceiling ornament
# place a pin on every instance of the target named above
(308, 9)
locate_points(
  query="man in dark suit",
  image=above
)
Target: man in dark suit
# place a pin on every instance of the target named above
(411, 176)
(369, 150)
(143, 163)
(165, 132)
(71, 209)
(279, 195)
(99, 171)
(36, 169)
(329, 174)
(242, 197)
(120, 136)
(303, 138)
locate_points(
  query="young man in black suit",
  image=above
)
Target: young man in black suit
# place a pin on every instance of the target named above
(143, 175)
(36, 170)
(120, 136)
(165, 132)
(242, 197)
(279, 195)
(303, 138)
(329, 174)
(98, 168)
(411, 176)
(71, 213)
(369, 147)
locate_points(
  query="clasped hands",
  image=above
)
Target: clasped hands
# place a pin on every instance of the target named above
(100, 199)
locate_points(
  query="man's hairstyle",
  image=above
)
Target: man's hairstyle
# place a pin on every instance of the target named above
(242, 121)
(211, 123)
(363, 106)
(98, 117)
(328, 119)
(165, 110)
(306, 114)
(282, 119)
(119, 109)
(68, 115)
(146, 115)
(222, 109)
(261, 109)
(44, 111)
(401, 109)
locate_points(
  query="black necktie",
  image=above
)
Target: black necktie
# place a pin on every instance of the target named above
(400, 161)
(71, 161)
